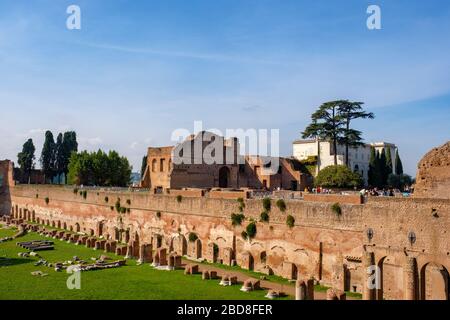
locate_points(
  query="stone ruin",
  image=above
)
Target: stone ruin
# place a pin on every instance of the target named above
(228, 280)
(251, 285)
(334, 294)
(36, 245)
(433, 175)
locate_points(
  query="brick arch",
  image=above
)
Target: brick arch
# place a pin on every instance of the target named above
(178, 244)
(391, 278)
(434, 282)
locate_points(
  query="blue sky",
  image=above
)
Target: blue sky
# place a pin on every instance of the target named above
(137, 70)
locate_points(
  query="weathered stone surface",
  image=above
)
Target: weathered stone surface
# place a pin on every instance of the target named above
(433, 175)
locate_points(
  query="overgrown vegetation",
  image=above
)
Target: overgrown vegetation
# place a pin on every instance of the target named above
(192, 237)
(237, 218)
(266, 204)
(241, 204)
(264, 216)
(336, 208)
(290, 221)
(251, 230)
(281, 205)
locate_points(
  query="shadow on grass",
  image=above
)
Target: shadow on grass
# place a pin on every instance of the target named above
(7, 262)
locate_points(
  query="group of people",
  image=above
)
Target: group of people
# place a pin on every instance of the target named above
(319, 190)
(385, 192)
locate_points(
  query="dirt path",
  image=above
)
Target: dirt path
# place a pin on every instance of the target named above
(241, 277)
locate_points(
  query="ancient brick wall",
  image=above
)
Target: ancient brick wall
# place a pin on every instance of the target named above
(322, 244)
(6, 180)
(433, 175)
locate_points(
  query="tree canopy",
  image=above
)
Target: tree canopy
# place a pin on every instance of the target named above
(338, 177)
(48, 155)
(332, 121)
(99, 168)
(26, 158)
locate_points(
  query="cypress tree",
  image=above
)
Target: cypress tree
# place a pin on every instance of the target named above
(143, 166)
(398, 164)
(389, 167)
(26, 158)
(383, 168)
(47, 159)
(373, 168)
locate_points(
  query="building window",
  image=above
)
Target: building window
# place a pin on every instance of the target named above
(161, 165)
(154, 165)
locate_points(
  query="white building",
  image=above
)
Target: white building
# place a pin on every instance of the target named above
(358, 158)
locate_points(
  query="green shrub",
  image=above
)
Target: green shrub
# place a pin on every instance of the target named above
(192, 237)
(179, 198)
(264, 216)
(241, 204)
(244, 235)
(266, 204)
(290, 221)
(123, 210)
(336, 208)
(251, 230)
(281, 205)
(338, 177)
(237, 218)
(106, 199)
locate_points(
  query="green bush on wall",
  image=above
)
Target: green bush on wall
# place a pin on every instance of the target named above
(241, 204)
(192, 237)
(251, 230)
(290, 221)
(336, 208)
(264, 216)
(266, 204)
(281, 205)
(237, 218)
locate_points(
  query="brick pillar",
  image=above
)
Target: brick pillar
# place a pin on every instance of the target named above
(409, 279)
(368, 260)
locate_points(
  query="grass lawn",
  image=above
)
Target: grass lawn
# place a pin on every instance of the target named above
(128, 282)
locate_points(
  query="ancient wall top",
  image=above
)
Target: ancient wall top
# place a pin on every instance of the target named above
(433, 175)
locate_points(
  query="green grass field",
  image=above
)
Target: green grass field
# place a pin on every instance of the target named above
(131, 282)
